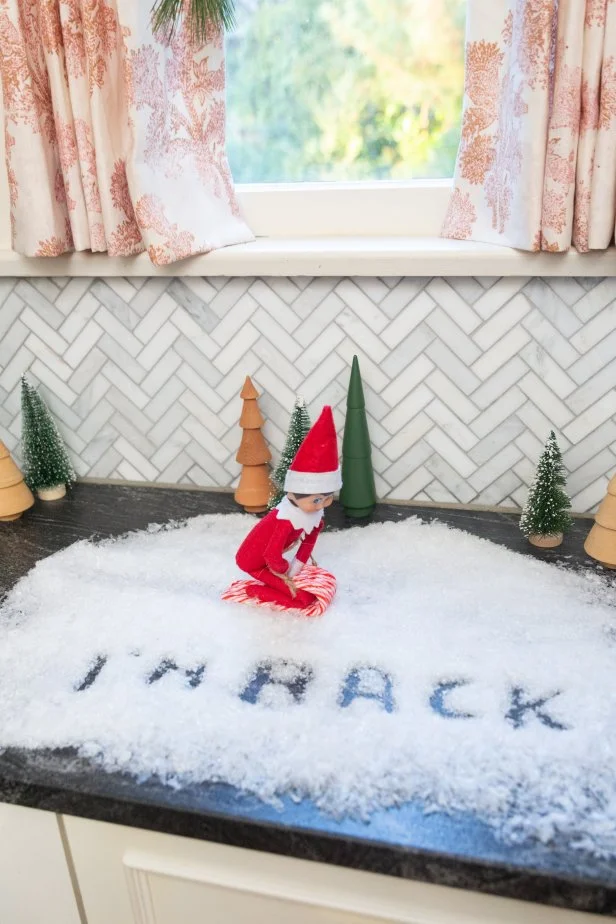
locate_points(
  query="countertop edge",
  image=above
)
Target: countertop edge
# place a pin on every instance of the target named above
(484, 876)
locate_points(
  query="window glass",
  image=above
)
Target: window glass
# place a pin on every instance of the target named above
(344, 89)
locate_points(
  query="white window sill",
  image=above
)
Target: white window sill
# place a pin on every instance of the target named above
(335, 256)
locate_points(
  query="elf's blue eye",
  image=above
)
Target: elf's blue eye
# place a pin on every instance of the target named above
(317, 500)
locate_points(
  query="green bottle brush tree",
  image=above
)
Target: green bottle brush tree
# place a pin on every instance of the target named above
(298, 428)
(545, 518)
(47, 467)
(358, 494)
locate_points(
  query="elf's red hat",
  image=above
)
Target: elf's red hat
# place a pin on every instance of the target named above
(315, 469)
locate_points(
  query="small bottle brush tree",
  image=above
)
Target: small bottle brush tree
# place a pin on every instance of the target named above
(254, 488)
(545, 517)
(358, 494)
(47, 467)
(298, 428)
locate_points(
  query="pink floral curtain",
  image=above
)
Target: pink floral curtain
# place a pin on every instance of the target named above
(115, 139)
(536, 166)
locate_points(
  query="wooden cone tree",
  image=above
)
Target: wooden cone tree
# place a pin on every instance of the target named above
(601, 540)
(15, 495)
(254, 488)
(358, 494)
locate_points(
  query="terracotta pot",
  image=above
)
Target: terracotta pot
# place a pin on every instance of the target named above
(49, 494)
(546, 542)
(14, 516)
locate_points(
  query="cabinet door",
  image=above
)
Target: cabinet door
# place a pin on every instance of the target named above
(131, 876)
(35, 883)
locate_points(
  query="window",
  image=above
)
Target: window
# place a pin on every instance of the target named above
(343, 116)
(344, 90)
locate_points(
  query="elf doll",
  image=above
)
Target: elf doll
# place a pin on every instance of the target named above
(280, 545)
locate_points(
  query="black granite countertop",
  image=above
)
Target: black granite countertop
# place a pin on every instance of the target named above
(456, 850)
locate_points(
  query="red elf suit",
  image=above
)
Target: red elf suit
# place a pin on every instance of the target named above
(314, 470)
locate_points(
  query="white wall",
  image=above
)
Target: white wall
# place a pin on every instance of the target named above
(463, 377)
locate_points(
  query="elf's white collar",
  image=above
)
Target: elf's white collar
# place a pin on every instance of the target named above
(297, 517)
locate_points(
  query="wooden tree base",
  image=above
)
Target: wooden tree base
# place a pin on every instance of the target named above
(15, 495)
(49, 494)
(601, 545)
(359, 513)
(546, 542)
(254, 488)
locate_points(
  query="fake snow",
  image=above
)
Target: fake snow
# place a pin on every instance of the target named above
(447, 669)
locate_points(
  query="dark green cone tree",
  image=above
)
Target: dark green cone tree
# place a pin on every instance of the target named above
(545, 512)
(358, 494)
(45, 459)
(298, 428)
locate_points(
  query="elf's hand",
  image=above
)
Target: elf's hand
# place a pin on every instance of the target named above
(291, 585)
(288, 581)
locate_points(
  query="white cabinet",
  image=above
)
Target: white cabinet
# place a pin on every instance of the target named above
(35, 882)
(131, 876)
(66, 870)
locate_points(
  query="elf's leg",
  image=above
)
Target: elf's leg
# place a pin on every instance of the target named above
(276, 591)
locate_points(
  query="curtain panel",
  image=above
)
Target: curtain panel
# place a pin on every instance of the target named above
(115, 138)
(536, 166)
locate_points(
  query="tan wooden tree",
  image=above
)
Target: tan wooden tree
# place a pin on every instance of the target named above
(601, 540)
(15, 495)
(254, 488)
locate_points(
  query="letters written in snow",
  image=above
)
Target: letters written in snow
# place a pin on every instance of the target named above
(365, 682)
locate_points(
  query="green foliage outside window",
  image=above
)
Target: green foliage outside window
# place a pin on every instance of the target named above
(344, 89)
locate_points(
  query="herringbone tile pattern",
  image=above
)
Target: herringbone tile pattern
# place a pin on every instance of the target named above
(463, 377)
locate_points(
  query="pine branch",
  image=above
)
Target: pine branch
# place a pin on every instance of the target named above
(199, 15)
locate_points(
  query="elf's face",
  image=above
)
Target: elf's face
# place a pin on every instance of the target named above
(310, 503)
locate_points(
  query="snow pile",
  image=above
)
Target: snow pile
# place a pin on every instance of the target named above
(447, 669)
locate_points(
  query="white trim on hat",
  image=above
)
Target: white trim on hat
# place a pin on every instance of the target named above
(313, 482)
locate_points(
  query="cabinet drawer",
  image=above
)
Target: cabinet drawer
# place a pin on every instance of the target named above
(130, 876)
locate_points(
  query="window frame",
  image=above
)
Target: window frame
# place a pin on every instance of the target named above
(324, 229)
(286, 211)
(282, 211)
(415, 208)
